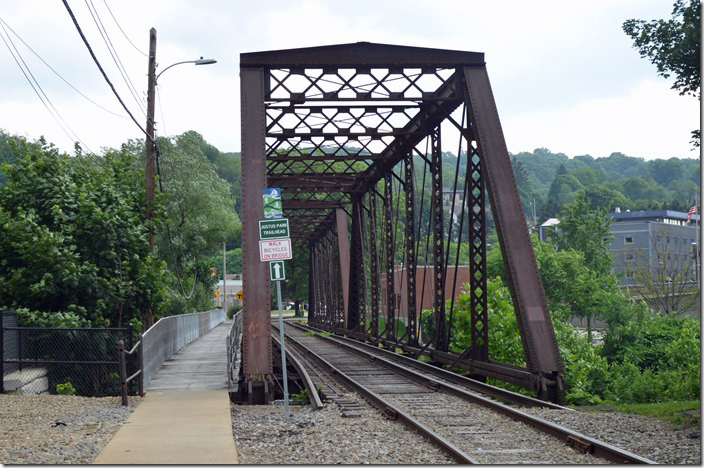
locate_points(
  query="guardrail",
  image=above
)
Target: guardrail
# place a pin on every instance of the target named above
(124, 380)
(234, 351)
(169, 334)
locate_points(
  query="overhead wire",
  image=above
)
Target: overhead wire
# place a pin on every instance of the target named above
(113, 53)
(149, 138)
(57, 73)
(121, 30)
(24, 68)
(102, 71)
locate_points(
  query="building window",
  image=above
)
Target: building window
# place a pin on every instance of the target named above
(629, 256)
(629, 274)
(628, 240)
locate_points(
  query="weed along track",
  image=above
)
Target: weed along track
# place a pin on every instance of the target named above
(463, 418)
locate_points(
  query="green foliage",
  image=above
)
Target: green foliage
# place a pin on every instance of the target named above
(620, 180)
(643, 359)
(199, 216)
(673, 45)
(670, 411)
(657, 343)
(73, 240)
(232, 310)
(65, 388)
(300, 398)
(503, 329)
(61, 319)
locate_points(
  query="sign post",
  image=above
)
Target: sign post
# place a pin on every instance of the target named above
(275, 247)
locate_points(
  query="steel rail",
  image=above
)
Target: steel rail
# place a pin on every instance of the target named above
(390, 411)
(313, 396)
(490, 390)
(577, 440)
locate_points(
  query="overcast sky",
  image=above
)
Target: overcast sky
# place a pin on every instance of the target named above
(564, 75)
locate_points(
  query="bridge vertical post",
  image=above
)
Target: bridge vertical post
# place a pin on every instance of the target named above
(343, 255)
(374, 265)
(390, 327)
(256, 346)
(356, 288)
(477, 257)
(312, 273)
(441, 341)
(410, 254)
(537, 333)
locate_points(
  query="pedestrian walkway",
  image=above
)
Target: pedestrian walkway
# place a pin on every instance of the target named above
(185, 416)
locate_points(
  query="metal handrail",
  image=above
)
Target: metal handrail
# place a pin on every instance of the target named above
(124, 380)
(170, 334)
(234, 351)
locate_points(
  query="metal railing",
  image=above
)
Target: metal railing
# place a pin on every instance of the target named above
(234, 353)
(169, 334)
(122, 364)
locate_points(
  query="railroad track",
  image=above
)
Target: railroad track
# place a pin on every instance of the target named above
(463, 418)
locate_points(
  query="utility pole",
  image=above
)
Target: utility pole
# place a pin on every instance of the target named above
(224, 277)
(150, 142)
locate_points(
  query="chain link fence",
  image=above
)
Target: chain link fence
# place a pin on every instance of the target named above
(72, 361)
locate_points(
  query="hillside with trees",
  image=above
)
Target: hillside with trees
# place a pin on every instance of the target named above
(631, 183)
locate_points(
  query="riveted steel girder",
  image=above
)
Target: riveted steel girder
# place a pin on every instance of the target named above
(341, 129)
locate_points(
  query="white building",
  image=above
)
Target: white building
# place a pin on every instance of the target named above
(234, 286)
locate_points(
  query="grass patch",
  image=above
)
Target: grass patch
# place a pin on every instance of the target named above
(670, 411)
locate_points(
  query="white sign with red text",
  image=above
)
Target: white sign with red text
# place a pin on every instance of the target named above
(278, 249)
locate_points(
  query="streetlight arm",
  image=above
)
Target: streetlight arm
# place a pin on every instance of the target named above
(200, 61)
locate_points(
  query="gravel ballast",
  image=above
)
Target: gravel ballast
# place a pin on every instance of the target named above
(58, 429)
(325, 437)
(645, 436)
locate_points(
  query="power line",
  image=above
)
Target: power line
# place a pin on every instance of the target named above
(65, 127)
(113, 53)
(123, 32)
(95, 59)
(57, 73)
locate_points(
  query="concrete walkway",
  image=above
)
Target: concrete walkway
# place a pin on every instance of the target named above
(185, 415)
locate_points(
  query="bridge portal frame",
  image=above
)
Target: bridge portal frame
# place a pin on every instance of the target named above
(332, 127)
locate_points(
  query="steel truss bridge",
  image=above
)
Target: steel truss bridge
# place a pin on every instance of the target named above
(354, 135)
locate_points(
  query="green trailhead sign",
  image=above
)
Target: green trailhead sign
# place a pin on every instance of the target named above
(272, 203)
(273, 229)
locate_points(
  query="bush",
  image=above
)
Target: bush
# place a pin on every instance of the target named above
(65, 388)
(232, 310)
(656, 343)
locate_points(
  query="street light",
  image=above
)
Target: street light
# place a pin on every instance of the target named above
(151, 141)
(200, 61)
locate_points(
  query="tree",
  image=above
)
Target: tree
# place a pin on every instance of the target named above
(667, 280)
(601, 197)
(562, 191)
(199, 216)
(673, 46)
(72, 238)
(588, 232)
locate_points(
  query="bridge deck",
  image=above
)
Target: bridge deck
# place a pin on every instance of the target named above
(185, 416)
(199, 366)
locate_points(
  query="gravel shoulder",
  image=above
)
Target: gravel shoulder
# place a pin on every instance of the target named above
(58, 429)
(325, 437)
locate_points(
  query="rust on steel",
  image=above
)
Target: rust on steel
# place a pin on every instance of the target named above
(351, 133)
(256, 316)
